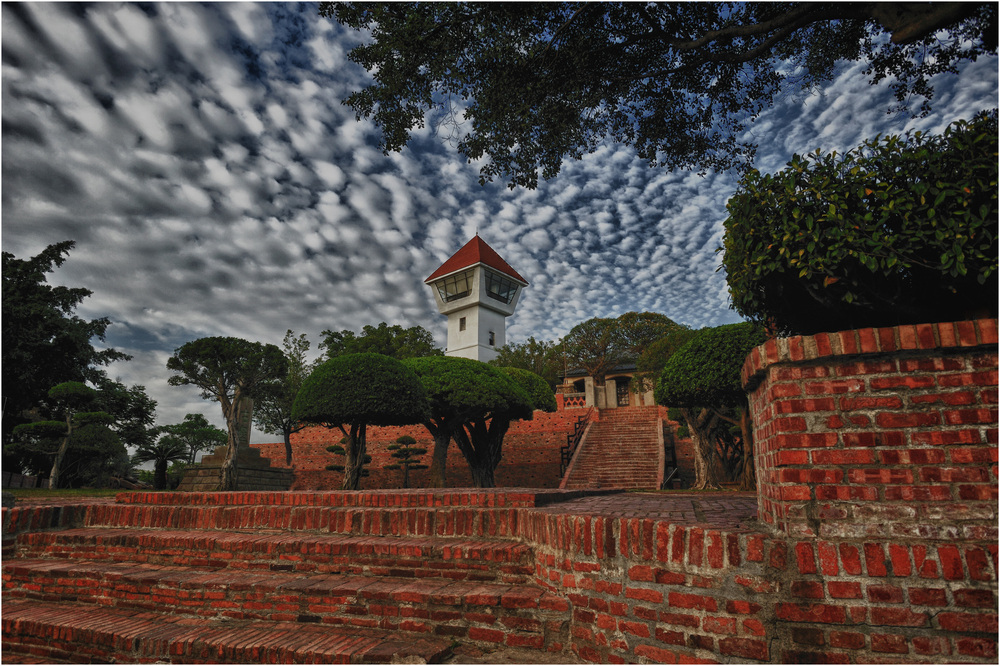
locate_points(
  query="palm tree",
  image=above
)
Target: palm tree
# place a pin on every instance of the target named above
(168, 449)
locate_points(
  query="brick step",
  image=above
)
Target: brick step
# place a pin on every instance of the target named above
(476, 522)
(71, 633)
(454, 559)
(397, 498)
(494, 613)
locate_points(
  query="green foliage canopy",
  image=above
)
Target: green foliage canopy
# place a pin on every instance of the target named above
(539, 392)
(705, 372)
(473, 403)
(599, 345)
(166, 450)
(394, 341)
(353, 391)
(522, 86)
(902, 229)
(361, 388)
(44, 342)
(50, 446)
(197, 435)
(273, 407)
(543, 358)
(232, 371)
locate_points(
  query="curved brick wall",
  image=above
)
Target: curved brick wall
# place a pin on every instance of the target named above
(888, 432)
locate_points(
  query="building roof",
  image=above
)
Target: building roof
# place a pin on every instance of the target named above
(476, 251)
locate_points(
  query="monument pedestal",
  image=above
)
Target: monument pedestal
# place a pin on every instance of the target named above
(255, 472)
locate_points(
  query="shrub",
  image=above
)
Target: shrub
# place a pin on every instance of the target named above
(899, 230)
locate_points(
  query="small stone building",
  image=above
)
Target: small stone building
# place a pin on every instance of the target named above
(579, 390)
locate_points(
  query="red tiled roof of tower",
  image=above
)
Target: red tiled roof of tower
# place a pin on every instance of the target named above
(476, 251)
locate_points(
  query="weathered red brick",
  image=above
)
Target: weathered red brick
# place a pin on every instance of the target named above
(807, 589)
(823, 613)
(968, 622)
(847, 639)
(977, 647)
(840, 589)
(893, 643)
(698, 601)
(975, 598)
(899, 617)
(808, 636)
(747, 648)
(951, 562)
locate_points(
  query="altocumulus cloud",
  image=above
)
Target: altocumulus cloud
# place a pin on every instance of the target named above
(200, 157)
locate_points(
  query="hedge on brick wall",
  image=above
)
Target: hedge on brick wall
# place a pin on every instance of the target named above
(900, 230)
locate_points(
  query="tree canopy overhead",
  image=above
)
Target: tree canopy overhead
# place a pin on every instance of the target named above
(681, 82)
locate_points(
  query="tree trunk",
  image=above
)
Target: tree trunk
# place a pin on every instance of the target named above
(160, 475)
(406, 474)
(354, 459)
(57, 463)
(60, 454)
(482, 475)
(436, 476)
(238, 418)
(288, 447)
(705, 477)
(482, 446)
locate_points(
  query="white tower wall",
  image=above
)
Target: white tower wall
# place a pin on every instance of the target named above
(476, 321)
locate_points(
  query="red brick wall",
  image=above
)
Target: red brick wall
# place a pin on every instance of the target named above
(888, 432)
(530, 455)
(644, 589)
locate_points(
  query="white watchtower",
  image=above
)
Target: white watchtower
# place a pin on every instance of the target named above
(477, 289)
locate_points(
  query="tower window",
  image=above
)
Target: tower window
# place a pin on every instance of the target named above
(499, 287)
(493, 338)
(461, 324)
(456, 286)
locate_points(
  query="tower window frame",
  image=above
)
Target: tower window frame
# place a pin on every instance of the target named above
(500, 287)
(455, 286)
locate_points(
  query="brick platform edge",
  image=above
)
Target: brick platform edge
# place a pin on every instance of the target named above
(644, 590)
(877, 476)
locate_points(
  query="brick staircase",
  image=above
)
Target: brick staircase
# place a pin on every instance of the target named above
(622, 450)
(366, 577)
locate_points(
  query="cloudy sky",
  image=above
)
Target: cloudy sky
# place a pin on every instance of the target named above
(201, 159)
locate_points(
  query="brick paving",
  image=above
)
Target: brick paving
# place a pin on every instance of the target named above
(711, 510)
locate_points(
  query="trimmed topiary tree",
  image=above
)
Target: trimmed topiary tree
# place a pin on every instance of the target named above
(354, 391)
(702, 380)
(339, 450)
(473, 404)
(70, 399)
(539, 392)
(900, 230)
(408, 455)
